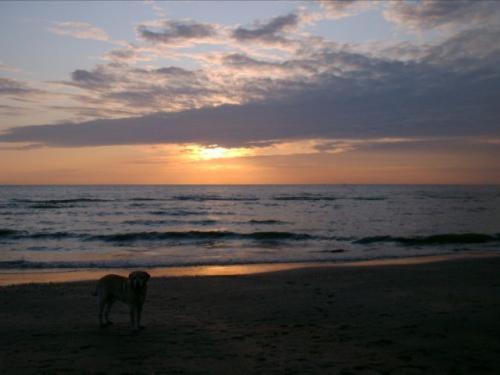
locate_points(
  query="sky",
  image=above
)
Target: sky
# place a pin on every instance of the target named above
(188, 92)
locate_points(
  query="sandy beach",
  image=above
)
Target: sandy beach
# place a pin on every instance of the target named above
(440, 317)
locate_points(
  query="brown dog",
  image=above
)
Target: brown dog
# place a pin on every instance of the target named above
(131, 290)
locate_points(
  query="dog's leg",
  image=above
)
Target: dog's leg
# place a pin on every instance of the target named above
(139, 314)
(133, 317)
(107, 310)
(102, 306)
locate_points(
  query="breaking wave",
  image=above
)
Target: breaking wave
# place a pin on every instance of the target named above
(202, 235)
(437, 239)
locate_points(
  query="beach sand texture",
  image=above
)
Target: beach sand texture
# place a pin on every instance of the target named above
(440, 318)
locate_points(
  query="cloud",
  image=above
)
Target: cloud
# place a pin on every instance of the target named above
(80, 30)
(172, 32)
(429, 14)
(174, 71)
(270, 31)
(159, 11)
(10, 110)
(16, 89)
(122, 54)
(325, 92)
(472, 47)
(343, 8)
(386, 102)
(122, 88)
(92, 79)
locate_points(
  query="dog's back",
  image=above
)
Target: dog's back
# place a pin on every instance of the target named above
(111, 286)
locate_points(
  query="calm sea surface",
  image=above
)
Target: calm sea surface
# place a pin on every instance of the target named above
(128, 226)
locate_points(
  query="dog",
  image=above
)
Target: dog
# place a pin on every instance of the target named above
(131, 290)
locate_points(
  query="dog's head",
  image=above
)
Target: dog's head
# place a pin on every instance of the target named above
(138, 279)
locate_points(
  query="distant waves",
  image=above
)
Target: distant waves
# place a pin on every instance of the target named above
(103, 226)
(439, 239)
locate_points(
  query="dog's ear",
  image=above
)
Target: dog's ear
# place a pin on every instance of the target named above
(148, 276)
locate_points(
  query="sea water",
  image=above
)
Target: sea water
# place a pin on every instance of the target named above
(51, 227)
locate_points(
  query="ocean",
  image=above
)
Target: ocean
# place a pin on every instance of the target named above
(77, 227)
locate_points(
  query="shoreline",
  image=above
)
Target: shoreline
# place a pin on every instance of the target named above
(51, 275)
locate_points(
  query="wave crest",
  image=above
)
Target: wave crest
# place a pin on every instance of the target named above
(437, 239)
(202, 235)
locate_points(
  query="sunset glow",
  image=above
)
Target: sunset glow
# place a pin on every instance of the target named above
(215, 152)
(249, 92)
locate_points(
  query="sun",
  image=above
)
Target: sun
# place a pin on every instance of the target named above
(213, 153)
(216, 152)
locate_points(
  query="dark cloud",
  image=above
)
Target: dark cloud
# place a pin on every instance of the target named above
(472, 48)
(295, 66)
(269, 31)
(97, 78)
(122, 88)
(244, 61)
(13, 88)
(174, 71)
(323, 112)
(428, 14)
(174, 31)
(122, 54)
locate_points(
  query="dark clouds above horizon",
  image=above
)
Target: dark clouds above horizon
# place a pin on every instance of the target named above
(321, 90)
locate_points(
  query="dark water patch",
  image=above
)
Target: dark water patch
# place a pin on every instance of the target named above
(10, 233)
(15, 213)
(277, 236)
(438, 239)
(268, 222)
(178, 212)
(22, 264)
(61, 201)
(202, 198)
(188, 213)
(52, 235)
(15, 234)
(449, 196)
(39, 248)
(16, 264)
(201, 235)
(368, 198)
(48, 206)
(334, 251)
(170, 222)
(139, 205)
(305, 198)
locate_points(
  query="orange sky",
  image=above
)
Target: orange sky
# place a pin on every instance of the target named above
(197, 165)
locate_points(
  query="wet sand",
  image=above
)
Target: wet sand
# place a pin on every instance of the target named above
(441, 318)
